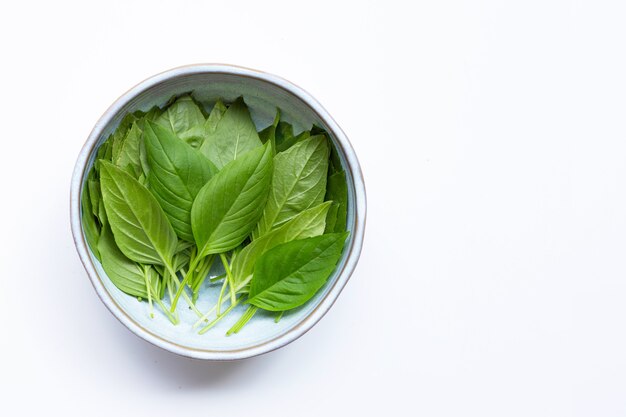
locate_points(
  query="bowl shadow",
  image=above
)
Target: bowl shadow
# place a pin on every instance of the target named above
(188, 372)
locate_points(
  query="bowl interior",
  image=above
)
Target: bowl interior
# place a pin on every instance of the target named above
(262, 97)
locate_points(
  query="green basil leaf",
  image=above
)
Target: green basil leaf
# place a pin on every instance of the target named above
(288, 275)
(139, 114)
(317, 130)
(284, 131)
(141, 229)
(337, 192)
(153, 114)
(335, 161)
(127, 122)
(127, 275)
(178, 172)
(292, 141)
(331, 218)
(89, 223)
(105, 152)
(183, 245)
(183, 115)
(196, 135)
(116, 144)
(228, 207)
(181, 259)
(298, 182)
(156, 282)
(143, 156)
(118, 137)
(127, 155)
(269, 133)
(102, 215)
(285, 138)
(215, 116)
(234, 135)
(309, 223)
(93, 186)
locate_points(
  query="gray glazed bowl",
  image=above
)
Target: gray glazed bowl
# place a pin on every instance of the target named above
(263, 93)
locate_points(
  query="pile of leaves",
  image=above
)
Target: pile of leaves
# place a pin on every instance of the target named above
(176, 188)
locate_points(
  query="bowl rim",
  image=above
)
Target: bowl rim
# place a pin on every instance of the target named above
(353, 251)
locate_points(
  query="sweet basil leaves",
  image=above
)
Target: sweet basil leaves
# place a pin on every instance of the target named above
(175, 188)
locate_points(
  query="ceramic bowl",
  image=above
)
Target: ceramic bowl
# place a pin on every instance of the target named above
(263, 93)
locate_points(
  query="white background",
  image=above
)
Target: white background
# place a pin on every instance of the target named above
(492, 137)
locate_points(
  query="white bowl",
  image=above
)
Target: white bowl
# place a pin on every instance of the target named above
(263, 93)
